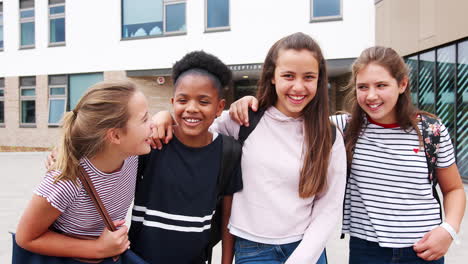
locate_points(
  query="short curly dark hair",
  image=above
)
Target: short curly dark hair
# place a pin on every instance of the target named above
(204, 64)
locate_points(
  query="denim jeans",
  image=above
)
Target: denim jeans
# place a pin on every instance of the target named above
(250, 252)
(363, 251)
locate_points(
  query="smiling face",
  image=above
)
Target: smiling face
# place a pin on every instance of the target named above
(295, 79)
(377, 93)
(135, 137)
(196, 104)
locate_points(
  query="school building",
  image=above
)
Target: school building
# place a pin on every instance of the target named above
(432, 35)
(52, 51)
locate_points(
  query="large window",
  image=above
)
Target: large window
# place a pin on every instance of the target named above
(217, 15)
(28, 100)
(2, 102)
(146, 18)
(325, 10)
(27, 25)
(1, 26)
(78, 84)
(58, 86)
(439, 84)
(56, 22)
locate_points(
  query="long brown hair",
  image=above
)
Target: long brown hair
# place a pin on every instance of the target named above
(103, 106)
(316, 114)
(407, 114)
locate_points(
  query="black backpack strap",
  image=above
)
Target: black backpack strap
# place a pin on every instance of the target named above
(431, 139)
(254, 119)
(231, 154)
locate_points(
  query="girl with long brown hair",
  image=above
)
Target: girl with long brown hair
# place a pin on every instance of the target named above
(293, 171)
(391, 210)
(103, 135)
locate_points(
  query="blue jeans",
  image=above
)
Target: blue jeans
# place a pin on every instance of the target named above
(363, 251)
(247, 251)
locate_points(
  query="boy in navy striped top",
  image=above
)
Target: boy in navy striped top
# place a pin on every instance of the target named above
(177, 195)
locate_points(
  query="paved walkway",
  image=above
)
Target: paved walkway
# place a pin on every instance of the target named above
(21, 172)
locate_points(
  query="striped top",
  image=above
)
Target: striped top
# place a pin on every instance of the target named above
(389, 198)
(79, 215)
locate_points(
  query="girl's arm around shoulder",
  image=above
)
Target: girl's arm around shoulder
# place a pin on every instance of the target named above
(326, 210)
(340, 120)
(225, 125)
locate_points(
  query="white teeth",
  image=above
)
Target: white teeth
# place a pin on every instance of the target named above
(190, 120)
(297, 97)
(374, 105)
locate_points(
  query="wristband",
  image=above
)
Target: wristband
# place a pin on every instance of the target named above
(451, 231)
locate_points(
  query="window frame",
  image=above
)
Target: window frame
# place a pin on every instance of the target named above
(27, 20)
(217, 29)
(2, 99)
(164, 32)
(23, 98)
(325, 18)
(55, 16)
(52, 97)
(1, 24)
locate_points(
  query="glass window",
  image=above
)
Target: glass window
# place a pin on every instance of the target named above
(56, 22)
(426, 81)
(325, 9)
(217, 14)
(79, 83)
(152, 17)
(28, 100)
(27, 24)
(2, 101)
(175, 17)
(462, 109)
(1, 26)
(412, 63)
(57, 98)
(445, 97)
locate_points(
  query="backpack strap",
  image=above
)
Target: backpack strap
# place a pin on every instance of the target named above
(231, 154)
(431, 140)
(254, 119)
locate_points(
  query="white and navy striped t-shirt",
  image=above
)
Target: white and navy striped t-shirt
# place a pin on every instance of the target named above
(79, 216)
(389, 198)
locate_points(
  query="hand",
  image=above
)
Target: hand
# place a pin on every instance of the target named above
(51, 159)
(239, 110)
(433, 245)
(110, 243)
(162, 129)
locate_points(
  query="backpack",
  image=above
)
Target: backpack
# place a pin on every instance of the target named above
(254, 119)
(431, 139)
(231, 154)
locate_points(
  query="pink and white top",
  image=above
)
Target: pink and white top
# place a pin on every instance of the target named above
(269, 209)
(79, 216)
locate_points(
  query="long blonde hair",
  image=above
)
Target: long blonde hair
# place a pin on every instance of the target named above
(103, 106)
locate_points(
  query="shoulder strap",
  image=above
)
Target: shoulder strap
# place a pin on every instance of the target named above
(88, 185)
(254, 118)
(231, 154)
(431, 139)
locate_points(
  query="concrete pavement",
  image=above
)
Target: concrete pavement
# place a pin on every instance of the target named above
(21, 172)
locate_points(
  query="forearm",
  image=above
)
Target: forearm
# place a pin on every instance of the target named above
(454, 207)
(227, 238)
(54, 244)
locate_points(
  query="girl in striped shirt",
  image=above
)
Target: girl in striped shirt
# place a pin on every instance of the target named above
(104, 134)
(390, 210)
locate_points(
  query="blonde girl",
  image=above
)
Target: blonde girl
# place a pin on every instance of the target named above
(103, 135)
